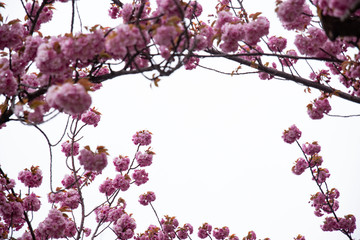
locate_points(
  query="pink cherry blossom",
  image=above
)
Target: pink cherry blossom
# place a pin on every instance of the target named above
(256, 29)
(320, 107)
(70, 149)
(300, 166)
(93, 161)
(142, 137)
(107, 187)
(204, 231)
(31, 203)
(291, 135)
(11, 35)
(221, 233)
(31, 178)
(124, 227)
(54, 225)
(122, 182)
(321, 174)
(147, 198)
(169, 224)
(311, 148)
(8, 84)
(69, 98)
(71, 199)
(140, 177)
(277, 44)
(91, 117)
(144, 159)
(251, 236)
(185, 231)
(121, 163)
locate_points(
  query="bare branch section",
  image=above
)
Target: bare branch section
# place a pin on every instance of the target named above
(288, 76)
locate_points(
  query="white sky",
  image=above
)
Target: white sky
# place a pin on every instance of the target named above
(219, 154)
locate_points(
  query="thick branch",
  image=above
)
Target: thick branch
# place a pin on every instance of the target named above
(288, 76)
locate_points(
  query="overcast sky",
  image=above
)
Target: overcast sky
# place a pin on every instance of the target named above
(219, 154)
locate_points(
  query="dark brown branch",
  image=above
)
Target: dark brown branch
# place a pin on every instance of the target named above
(288, 76)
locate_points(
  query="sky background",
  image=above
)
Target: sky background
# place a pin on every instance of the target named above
(219, 156)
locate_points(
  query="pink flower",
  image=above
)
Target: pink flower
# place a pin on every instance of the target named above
(256, 29)
(169, 225)
(321, 174)
(31, 203)
(69, 98)
(204, 231)
(91, 117)
(140, 177)
(11, 35)
(291, 135)
(184, 232)
(68, 150)
(124, 227)
(194, 8)
(122, 182)
(317, 109)
(251, 236)
(50, 59)
(54, 225)
(311, 149)
(107, 187)
(142, 137)
(277, 44)
(114, 12)
(8, 84)
(93, 161)
(71, 199)
(294, 14)
(102, 213)
(191, 63)
(32, 177)
(147, 198)
(165, 35)
(144, 159)
(69, 181)
(221, 233)
(300, 166)
(315, 160)
(121, 163)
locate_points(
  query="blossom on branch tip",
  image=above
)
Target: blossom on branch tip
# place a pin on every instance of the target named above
(221, 233)
(69, 98)
(122, 182)
(121, 163)
(147, 198)
(140, 176)
(251, 236)
(93, 161)
(142, 137)
(311, 148)
(317, 109)
(31, 203)
(185, 231)
(70, 149)
(144, 159)
(291, 135)
(91, 117)
(124, 227)
(300, 166)
(107, 187)
(204, 231)
(31, 178)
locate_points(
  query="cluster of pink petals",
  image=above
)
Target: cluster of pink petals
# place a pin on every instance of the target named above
(50, 59)
(291, 135)
(69, 98)
(288, 62)
(93, 161)
(321, 174)
(185, 231)
(204, 231)
(140, 177)
(31, 178)
(121, 163)
(310, 45)
(69, 181)
(221, 233)
(251, 236)
(106, 214)
(70, 149)
(294, 14)
(12, 212)
(144, 159)
(67, 198)
(125, 38)
(91, 117)
(311, 148)
(31, 202)
(8, 84)
(124, 227)
(169, 224)
(122, 182)
(11, 35)
(348, 224)
(191, 63)
(107, 187)
(142, 137)
(300, 166)
(44, 16)
(320, 107)
(315, 160)
(336, 8)
(153, 232)
(147, 198)
(277, 44)
(194, 8)
(55, 226)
